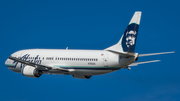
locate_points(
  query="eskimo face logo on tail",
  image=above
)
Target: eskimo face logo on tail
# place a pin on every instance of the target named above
(130, 38)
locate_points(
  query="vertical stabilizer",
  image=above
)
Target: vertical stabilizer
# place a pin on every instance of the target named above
(128, 40)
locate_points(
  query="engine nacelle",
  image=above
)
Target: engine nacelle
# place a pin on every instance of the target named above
(82, 76)
(30, 71)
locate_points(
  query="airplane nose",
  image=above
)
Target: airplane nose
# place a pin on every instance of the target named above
(13, 65)
(9, 64)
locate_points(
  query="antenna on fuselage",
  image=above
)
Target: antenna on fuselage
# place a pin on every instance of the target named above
(66, 48)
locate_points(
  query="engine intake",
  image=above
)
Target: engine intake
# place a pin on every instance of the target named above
(30, 71)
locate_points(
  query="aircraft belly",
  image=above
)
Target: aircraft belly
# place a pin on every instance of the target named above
(83, 71)
(90, 72)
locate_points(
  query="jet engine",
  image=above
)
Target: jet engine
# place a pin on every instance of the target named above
(30, 71)
(82, 76)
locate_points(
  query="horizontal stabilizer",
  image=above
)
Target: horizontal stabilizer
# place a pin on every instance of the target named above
(137, 63)
(125, 54)
(150, 54)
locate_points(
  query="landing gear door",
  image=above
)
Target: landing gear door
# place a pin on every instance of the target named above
(105, 60)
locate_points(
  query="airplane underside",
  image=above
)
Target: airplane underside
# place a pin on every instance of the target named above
(81, 72)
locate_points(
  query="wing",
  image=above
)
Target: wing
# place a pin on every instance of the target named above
(38, 66)
(141, 55)
(137, 63)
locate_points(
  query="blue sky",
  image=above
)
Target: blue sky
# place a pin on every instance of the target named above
(91, 24)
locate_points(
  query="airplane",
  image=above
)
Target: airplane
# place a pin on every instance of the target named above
(81, 64)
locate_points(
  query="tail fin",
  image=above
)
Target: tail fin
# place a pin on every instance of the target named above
(128, 40)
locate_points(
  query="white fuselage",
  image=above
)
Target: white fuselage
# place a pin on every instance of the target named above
(79, 62)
